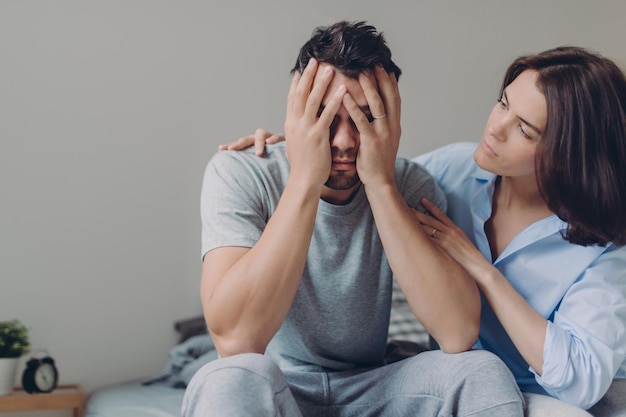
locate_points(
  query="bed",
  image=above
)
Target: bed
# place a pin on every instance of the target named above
(161, 395)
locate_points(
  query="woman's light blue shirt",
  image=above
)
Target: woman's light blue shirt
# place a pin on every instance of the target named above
(581, 291)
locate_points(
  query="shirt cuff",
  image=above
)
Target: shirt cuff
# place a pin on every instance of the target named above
(556, 370)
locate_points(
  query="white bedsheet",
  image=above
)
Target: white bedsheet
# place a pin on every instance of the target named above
(135, 400)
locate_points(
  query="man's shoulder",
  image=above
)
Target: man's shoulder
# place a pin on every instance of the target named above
(415, 182)
(247, 172)
(411, 176)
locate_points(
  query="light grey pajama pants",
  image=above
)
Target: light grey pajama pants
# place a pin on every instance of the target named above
(474, 383)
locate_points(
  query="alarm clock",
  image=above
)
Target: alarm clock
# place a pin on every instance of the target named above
(40, 376)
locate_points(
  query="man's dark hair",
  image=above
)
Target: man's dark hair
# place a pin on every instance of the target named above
(350, 47)
(581, 154)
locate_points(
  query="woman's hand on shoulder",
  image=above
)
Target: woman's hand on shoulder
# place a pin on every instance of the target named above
(259, 139)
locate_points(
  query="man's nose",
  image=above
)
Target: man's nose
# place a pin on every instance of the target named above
(345, 135)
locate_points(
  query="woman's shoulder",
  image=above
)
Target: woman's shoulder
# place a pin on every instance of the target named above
(451, 161)
(452, 152)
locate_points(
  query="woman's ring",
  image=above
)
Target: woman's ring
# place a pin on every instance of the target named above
(433, 233)
(382, 116)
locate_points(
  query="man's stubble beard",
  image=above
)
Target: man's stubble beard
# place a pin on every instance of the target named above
(340, 181)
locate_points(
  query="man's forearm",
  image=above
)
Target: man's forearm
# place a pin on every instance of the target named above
(247, 305)
(442, 295)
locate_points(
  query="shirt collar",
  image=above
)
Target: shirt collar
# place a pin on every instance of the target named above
(481, 212)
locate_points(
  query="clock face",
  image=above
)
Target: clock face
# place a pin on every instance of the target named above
(45, 377)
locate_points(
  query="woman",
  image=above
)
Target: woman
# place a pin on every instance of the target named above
(537, 215)
(543, 199)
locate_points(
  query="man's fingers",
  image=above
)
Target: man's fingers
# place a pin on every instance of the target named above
(320, 86)
(301, 87)
(332, 106)
(370, 87)
(358, 117)
(389, 92)
(292, 87)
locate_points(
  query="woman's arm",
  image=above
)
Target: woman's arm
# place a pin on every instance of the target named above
(524, 325)
(576, 353)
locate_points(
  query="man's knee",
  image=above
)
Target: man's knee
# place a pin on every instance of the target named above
(477, 382)
(482, 366)
(458, 360)
(233, 368)
(483, 359)
(475, 368)
(240, 381)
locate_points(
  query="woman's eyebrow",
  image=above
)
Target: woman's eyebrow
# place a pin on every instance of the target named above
(533, 127)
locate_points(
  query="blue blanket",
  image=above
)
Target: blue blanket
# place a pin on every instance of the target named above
(184, 360)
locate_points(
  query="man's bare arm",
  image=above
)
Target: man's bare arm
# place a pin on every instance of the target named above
(441, 293)
(247, 292)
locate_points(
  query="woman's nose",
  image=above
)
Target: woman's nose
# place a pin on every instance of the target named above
(497, 127)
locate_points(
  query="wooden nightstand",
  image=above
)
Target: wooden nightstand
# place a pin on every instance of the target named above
(65, 396)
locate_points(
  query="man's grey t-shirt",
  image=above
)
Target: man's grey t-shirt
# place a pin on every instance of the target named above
(340, 315)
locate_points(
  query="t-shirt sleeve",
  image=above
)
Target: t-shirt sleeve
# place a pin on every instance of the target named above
(231, 206)
(416, 184)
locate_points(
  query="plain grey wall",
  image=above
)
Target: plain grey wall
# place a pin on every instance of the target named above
(109, 111)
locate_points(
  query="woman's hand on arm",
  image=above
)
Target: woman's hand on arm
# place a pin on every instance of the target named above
(452, 239)
(524, 325)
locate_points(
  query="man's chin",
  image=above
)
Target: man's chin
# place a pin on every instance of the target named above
(342, 182)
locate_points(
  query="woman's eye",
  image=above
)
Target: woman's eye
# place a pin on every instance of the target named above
(521, 128)
(502, 103)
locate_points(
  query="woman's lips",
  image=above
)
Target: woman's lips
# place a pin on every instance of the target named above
(487, 149)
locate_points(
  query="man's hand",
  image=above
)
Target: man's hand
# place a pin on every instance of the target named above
(306, 134)
(380, 134)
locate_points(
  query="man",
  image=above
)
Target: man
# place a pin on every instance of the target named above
(300, 248)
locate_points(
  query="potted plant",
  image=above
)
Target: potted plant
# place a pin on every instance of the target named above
(13, 344)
